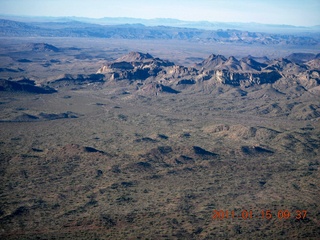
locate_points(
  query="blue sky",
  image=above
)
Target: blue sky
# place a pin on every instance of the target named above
(293, 12)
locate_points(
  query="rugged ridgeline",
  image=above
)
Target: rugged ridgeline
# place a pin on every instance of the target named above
(140, 73)
(152, 75)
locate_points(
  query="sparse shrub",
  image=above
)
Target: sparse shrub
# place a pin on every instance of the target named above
(115, 169)
(99, 173)
(163, 136)
(165, 149)
(107, 220)
(122, 117)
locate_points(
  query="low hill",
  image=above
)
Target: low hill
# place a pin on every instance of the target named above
(42, 47)
(301, 57)
(28, 87)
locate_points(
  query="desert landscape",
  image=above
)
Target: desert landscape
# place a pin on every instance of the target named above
(145, 134)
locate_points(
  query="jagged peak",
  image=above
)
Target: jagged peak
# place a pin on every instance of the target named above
(212, 61)
(232, 59)
(135, 57)
(215, 57)
(283, 60)
(252, 63)
(262, 59)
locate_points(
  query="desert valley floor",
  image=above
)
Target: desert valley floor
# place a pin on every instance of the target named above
(149, 146)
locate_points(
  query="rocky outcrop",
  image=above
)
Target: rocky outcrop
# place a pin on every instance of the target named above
(154, 75)
(248, 78)
(134, 66)
(75, 79)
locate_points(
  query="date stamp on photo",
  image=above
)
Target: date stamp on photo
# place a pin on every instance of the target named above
(259, 214)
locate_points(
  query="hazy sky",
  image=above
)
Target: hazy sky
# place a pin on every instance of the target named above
(293, 12)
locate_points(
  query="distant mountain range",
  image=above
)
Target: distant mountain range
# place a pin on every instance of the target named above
(71, 28)
(170, 22)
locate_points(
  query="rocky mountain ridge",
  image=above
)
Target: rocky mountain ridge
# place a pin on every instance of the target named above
(147, 72)
(141, 73)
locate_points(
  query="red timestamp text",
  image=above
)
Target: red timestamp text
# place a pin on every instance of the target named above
(259, 214)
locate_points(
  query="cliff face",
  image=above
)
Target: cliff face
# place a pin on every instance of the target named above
(246, 78)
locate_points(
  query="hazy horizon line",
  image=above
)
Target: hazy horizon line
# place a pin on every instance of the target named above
(158, 18)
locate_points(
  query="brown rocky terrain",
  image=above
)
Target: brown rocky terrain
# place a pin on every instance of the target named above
(144, 148)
